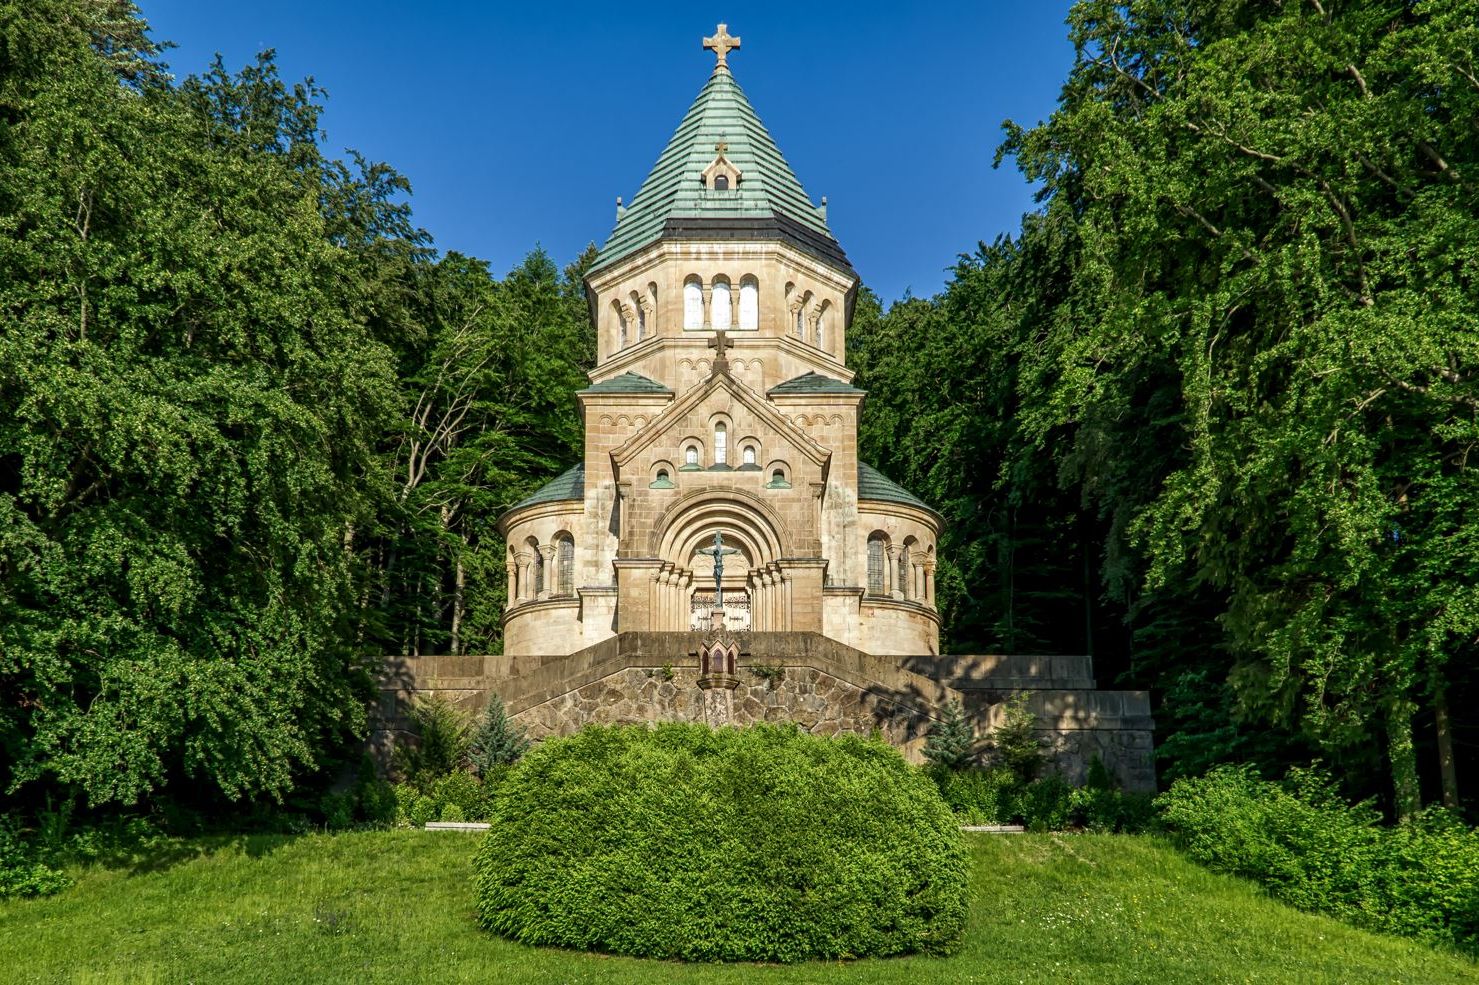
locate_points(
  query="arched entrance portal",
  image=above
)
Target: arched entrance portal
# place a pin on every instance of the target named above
(756, 588)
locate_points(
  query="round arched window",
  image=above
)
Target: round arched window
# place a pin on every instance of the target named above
(690, 457)
(721, 182)
(749, 455)
(721, 443)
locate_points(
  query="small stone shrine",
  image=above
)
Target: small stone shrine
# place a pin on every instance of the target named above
(720, 554)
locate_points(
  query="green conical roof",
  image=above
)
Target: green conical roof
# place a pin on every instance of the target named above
(768, 203)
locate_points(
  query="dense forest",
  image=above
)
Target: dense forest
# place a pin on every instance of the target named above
(1206, 416)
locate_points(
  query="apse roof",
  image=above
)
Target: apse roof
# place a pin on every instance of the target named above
(813, 382)
(874, 485)
(627, 382)
(569, 484)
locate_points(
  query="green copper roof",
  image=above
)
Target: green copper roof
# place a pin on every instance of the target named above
(813, 382)
(873, 484)
(627, 382)
(768, 203)
(567, 485)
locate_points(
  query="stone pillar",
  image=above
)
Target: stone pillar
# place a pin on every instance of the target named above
(929, 584)
(512, 564)
(522, 561)
(634, 593)
(708, 306)
(547, 552)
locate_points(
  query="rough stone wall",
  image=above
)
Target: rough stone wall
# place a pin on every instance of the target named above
(816, 701)
(825, 687)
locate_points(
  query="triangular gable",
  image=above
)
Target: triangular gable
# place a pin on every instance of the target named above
(663, 422)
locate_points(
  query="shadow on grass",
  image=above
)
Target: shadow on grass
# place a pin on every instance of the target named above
(159, 853)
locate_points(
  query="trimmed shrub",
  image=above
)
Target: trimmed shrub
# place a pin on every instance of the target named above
(423, 810)
(405, 802)
(755, 844)
(980, 796)
(1308, 847)
(461, 790)
(1046, 803)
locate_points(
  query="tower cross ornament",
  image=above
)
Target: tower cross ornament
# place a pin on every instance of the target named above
(721, 44)
(717, 552)
(720, 343)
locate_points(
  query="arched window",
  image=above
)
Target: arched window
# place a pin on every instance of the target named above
(721, 182)
(778, 479)
(690, 457)
(693, 303)
(565, 564)
(719, 306)
(662, 480)
(536, 568)
(721, 443)
(749, 313)
(877, 545)
(748, 455)
(621, 324)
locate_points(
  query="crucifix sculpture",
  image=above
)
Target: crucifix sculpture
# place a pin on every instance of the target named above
(721, 44)
(717, 552)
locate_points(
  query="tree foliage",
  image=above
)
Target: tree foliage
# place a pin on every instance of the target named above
(253, 431)
(1222, 388)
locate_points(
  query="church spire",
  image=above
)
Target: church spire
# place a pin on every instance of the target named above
(756, 196)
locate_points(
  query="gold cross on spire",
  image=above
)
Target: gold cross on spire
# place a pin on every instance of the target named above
(720, 44)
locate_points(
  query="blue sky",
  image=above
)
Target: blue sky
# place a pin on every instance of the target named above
(521, 124)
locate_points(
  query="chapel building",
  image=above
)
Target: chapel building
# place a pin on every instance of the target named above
(720, 554)
(721, 404)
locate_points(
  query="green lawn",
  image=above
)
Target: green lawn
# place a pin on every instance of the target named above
(395, 906)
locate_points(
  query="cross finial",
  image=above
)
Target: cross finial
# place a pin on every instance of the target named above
(720, 342)
(721, 44)
(721, 146)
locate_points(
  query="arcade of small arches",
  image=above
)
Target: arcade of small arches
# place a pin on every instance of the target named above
(904, 572)
(721, 304)
(541, 571)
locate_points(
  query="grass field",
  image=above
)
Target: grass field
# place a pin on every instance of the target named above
(395, 906)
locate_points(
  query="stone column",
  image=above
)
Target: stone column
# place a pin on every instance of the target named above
(708, 306)
(522, 560)
(929, 584)
(512, 564)
(547, 551)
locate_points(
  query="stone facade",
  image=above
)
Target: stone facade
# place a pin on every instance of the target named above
(721, 403)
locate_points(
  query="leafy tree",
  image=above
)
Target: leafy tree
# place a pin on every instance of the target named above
(1273, 209)
(189, 398)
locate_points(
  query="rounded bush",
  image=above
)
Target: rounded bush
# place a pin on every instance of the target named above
(756, 844)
